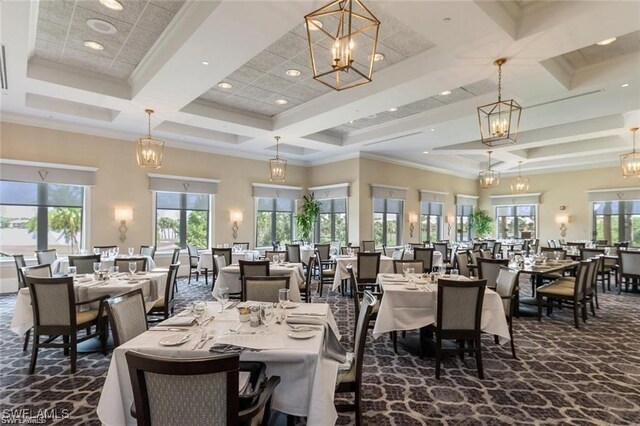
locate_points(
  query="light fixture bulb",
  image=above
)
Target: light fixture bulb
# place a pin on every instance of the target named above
(93, 45)
(225, 85)
(606, 41)
(112, 4)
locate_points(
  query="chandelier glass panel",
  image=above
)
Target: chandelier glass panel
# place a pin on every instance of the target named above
(149, 150)
(489, 178)
(343, 38)
(277, 166)
(631, 162)
(499, 121)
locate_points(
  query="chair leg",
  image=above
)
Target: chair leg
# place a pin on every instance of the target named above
(357, 399)
(539, 308)
(576, 314)
(394, 338)
(74, 352)
(26, 340)
(190, 273)
(65, 339)
(438, 358)
(34, 353)
(479, 359)
(206, 277)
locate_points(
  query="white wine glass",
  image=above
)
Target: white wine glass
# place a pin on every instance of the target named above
(284, 296)
(130, 250)
(198, 311)
(223, 297)
(96, 266)
(132, 267)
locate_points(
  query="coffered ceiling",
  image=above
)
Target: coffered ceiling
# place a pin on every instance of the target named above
(579, 98)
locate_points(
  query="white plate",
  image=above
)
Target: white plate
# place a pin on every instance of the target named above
(411, 288)
(301, 334)
(292, 305)
(391, 276)
(141, 273)
(175, 340)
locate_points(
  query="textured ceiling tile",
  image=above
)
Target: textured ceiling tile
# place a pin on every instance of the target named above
(236, 86)
(131, 56)
(81, 16)
(481, 87)
(141, 39)
(264, 109)
(302, 58)
(281, 71)
(576, 59)
(255, 93)
(401, 112)
(390, 56)
(172, 6)
(315, 85)
(456, 95)
(289, 45)
(408, 43)
(47, 50)
(121, 70)
(424, 105)
(57, 11)
(302, 93)
(388, 24)
(272, 83)
(245, 75)
(155, 18)
(129, 14)
(300, 30)
(265, 61)
(86, 61)
(77, 38)
(214, 96)
(50, 31)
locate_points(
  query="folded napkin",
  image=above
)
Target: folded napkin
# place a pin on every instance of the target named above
(332, 347)
(85, 279)
(178, 321)
(253, 341)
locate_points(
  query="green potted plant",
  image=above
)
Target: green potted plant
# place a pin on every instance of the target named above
(308, 212)
(481, 223)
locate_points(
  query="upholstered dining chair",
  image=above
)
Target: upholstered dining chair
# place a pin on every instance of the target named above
(84, 263)
(368, 246)
(496, 250)
(20, 265)
(462, 263)
(305, 288)
(163, 390)
(194, 260)
(244, 246)
(458, 318)
(263, 289)
(55, 313)
(398, 254)
(226, 252)
(368, 268)
(324, 251)
(253, 268)
(629, 262)
(443, 248)
(123, 263)
(350, 381)
(293, 253)
(163, 307)
(426, 256)
(39, 271)
(127, 316)
(488, 270)
(602, 273)
(479, 246)
(148, 251)
(325, 275)
(45, 257)
(507, 288)
(399, 266)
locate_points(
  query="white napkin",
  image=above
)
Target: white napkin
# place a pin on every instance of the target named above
(85, 279)
(253, 341)
(332, 347)
(178, 321)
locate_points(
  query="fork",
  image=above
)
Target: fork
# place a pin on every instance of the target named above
(210, 336)
(203, 337)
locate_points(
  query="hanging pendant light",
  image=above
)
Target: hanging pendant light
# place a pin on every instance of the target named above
(149, 150)
(520, 184)
(499, 121)
(631, 162)
(352, 32)
(277, 166)
(489, 178)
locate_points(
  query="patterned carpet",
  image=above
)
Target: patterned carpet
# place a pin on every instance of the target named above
(563, 375)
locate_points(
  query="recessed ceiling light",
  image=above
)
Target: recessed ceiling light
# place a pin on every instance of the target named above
(394, 109)
(101, 26)
(205, 63)
(624, 85)
(433, 130)
(225, 85)
(425, 152)
(93, 45)
(112, 4)
(445, 93)
(282, 101)
(315, 25)
(352, 122)
(378, 57)
(606, 41)
(293, 73)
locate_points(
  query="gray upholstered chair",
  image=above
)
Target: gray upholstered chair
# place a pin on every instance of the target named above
(368, 246)
(263, 289)
(426, 256)
(496, 250)
(629, 262)
(226, 252)
(326, 270)
(306, 286)
(123, 263)
(351, 380)
(398, 254)
(164, 390)
(254, 268)
(163, 307)
(462, 264)
(507, 288)
(39, 271)
(20, 265)
(443, 248)
(127, 316)
(399, 266)
(55, 313)
(488, 270)
(148, 251)
(194, 259)
(368, 268)
(84, 263)
(293, 253)
(46, 257)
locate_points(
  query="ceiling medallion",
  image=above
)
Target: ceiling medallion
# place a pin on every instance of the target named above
(352, 31)
(520, 185)
(630, 162)
(277, 166)
(489, 178)
(149, 150)
(499, 121)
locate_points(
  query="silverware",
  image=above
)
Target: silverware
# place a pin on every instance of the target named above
(209, 337)
(166, 329)
(231, 305)
(306, 314)
(203, 337)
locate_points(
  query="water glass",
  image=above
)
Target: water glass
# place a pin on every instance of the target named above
(198, 311)
(96, 266)
(607, 250)
(116, 251)
(284, 296)
(454, 274)
(130, 250)
(132, 267)
(223, 297)
(96, 250)
(266, 315)
(72, 272)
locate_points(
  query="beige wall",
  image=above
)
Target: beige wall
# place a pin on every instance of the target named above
(564, 189)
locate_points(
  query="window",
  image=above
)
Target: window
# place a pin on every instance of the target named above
(516, 221)
(431, 221)
(332, 221)
(617, 221)
(181, 218)
(387, 221)
(40, 216)
(463, 222)
(274, 221)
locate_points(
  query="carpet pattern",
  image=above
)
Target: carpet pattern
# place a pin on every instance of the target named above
(589, 376)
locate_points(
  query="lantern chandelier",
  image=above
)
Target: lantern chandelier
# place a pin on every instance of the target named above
(149, 150)
(352, 32)
(520, 184)
(489, 178)
(631, 162)
(499, 121)
(277, 166)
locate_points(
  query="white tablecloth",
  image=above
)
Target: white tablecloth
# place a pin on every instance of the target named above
(386, 266)
(307, 378)
(402, 309)
(152, 285)
(229, 277)
(206, 260)
(61, 265)
(305, 254)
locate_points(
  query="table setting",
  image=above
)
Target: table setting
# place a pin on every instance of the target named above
(229, 277)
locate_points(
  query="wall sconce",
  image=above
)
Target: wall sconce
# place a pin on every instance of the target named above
(123, 215)
(235, 216)
(413, 219)
(563, 220)
(450, 221)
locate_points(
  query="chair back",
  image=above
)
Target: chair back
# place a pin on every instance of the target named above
(46, 256)
(551, 252)
(39, 271)
(263, 289)
(459, 307)
(254, 268)
(309, 277)
(52, 301)
(506, 285)
(194, 256)
(148, 251)
(443, 248)
(219, 262)
(324, 250)
(368, 246)
(244, 246)
(462, 262)
(169, 288)
(586, 253)
(225, 252)
(368, 266)
(175, 256)
(400, 265)
(592, 280)
(426, 256)
(20, 263)
(293, 253)
(629, 263)
(127, 316)
(123, 263)
(488, 270)
(485, 254)
(418, 245)
(84, 263)
(270, 253)
(474, 255)
(367, 304)
(497, 249)
(356, 249)
(583, 276)
(478, 246)
(398, 254)
(164, 389)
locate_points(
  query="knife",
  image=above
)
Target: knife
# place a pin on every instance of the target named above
(307, 314)
(231, 305)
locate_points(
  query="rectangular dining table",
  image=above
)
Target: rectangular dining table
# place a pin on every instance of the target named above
(206, 259)
(60, 266)
(229, 277)
(308, 378)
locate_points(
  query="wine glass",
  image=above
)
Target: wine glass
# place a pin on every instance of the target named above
(132, 267)
(116, 251)
(283, 297)
(454, 274)
(266, 315)
(223, 297)
(96, 266)
(96, 250)
(556, 255)
(198, 310)
(130, 250)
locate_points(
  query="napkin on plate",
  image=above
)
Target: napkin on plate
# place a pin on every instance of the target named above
(332, 346)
